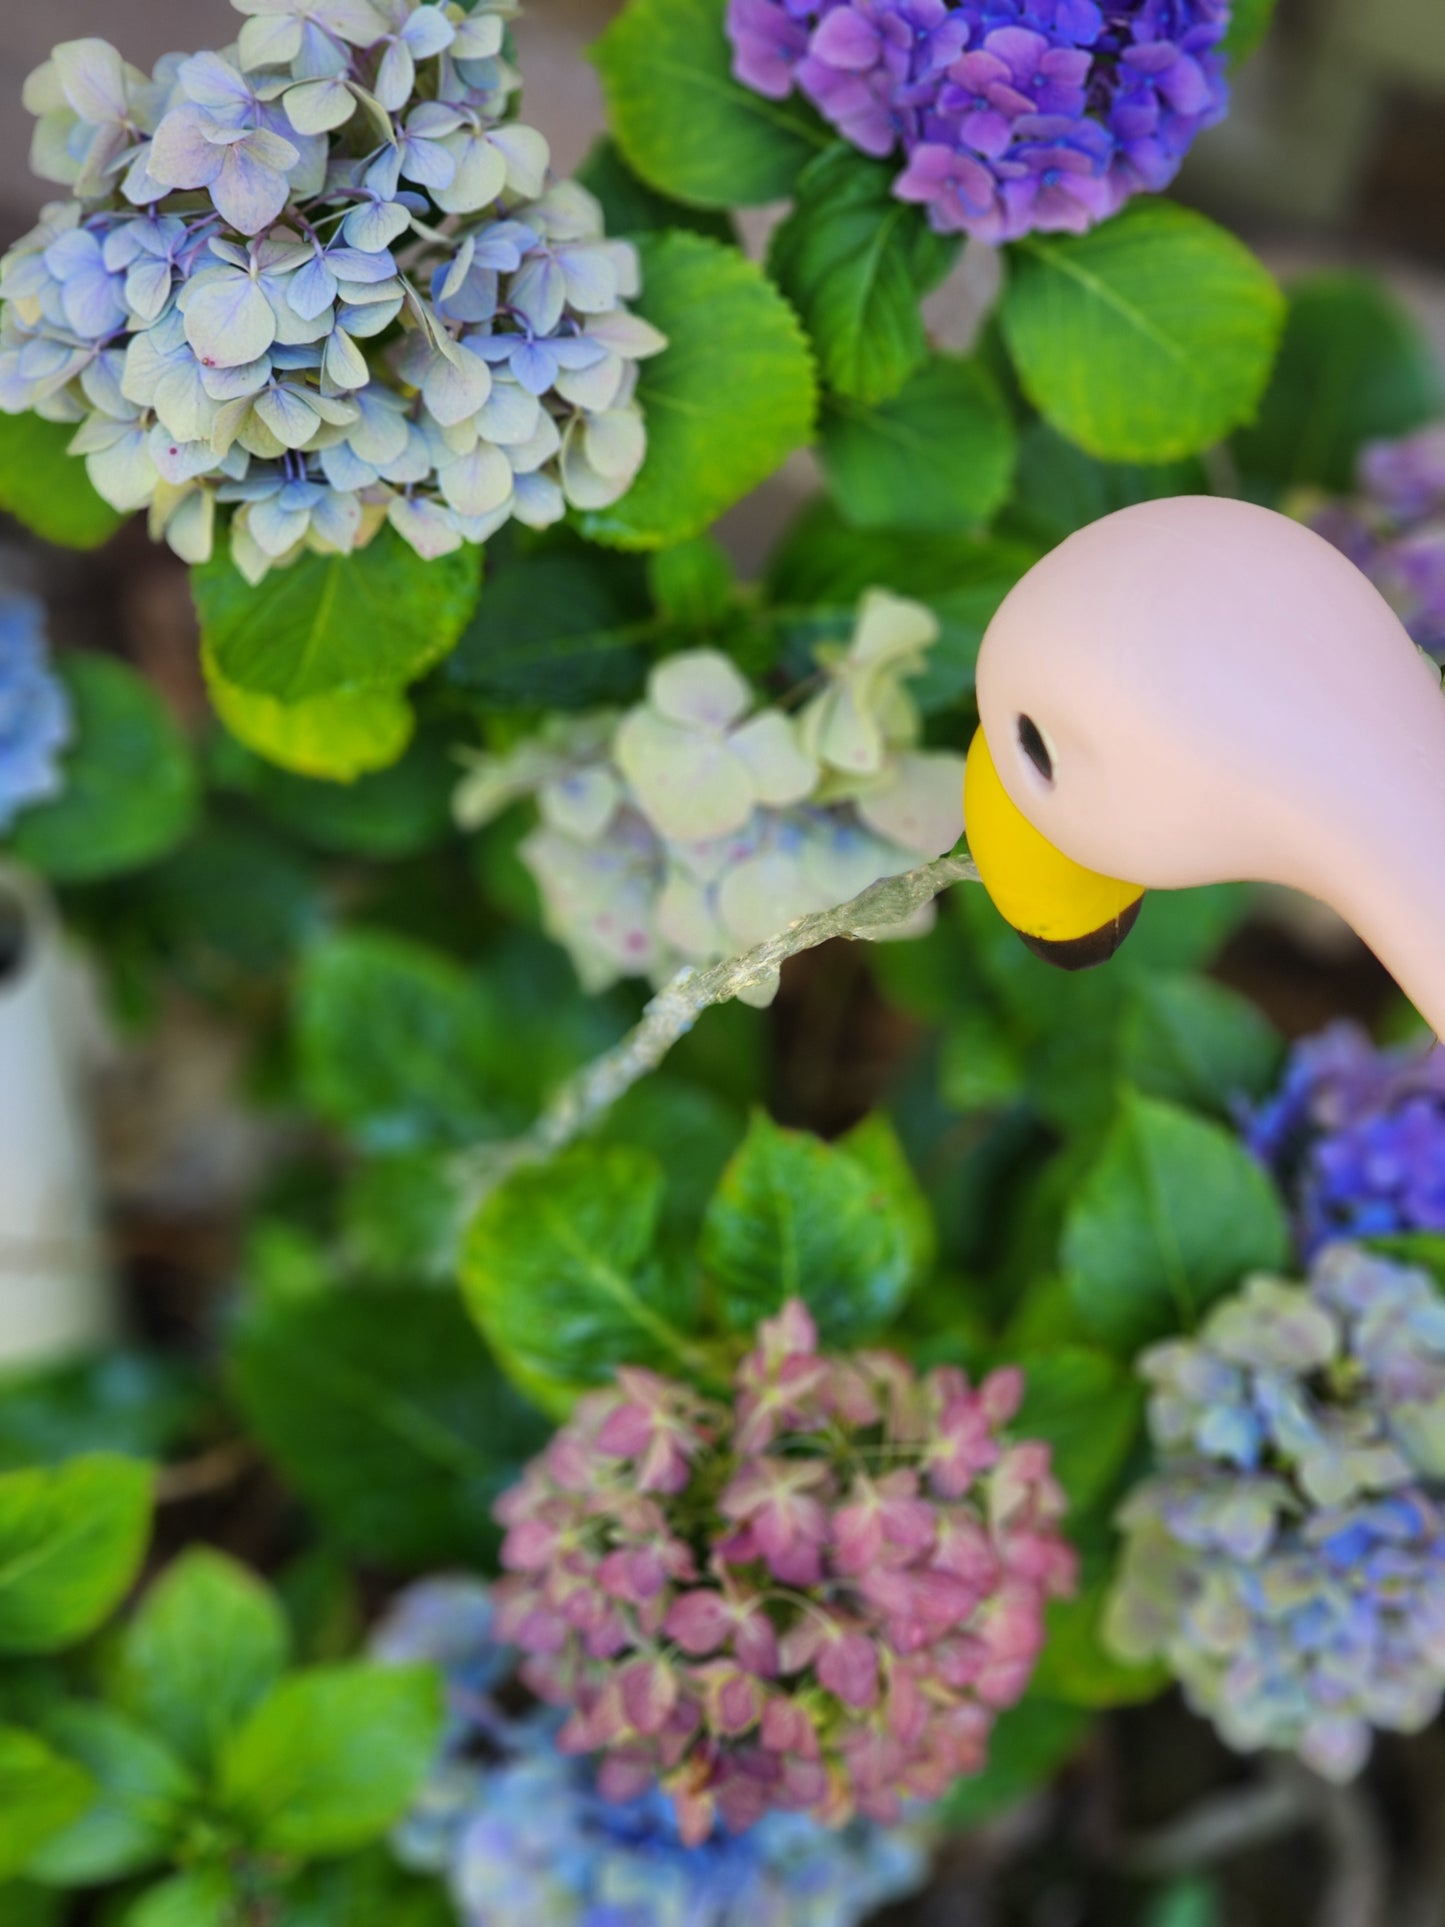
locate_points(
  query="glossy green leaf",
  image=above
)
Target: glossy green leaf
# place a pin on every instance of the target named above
(48, 489)
(337, 624)
(1028, 1745)
(564, 630)
(207, 1644)
(1145, 340)
(365, 1890)
(334, 738)
(1197, 1043)
(684, 124)
(40, 1792)
(400, 812)
(630, 207)
(397, 1042)
(144, 1797)
(1249, 22)
(332, 1758)
(1174, 1213)
(794, 1217)
(561, 1273)
(1088, 1407)
(694, 583)
(1354, 367)
(203, 1897)
(385, 1412)
(855, 262)
(130, 780)
(938, 456)
(1058, 488)
(731, 397)
(71, 1543)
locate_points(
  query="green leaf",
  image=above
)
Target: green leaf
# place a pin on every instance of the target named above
(27, 1906)
(1197, 1043)
(334, 738)
(1076, 1666)
(139, 1404)
(130, 780)
(366, 1890)
(401, 1218)
(561, 1273)
(46, 488)
(39, 1794)
(855, 262)
(1174, 1213)
(400, 812)
(385, 1412)
(1087, 1406)
(208, 1643)
(1028, 1745)
(630, 207)
(693, 584)
(396, 1042)
(332, 1758)
(876, 1145)
(824, 564)
(1058, 488)
(71, 1543)
(1250, 21)
(796, 1218)
(727, 402)
(684, 124)
(336, 624)
(938, 456)
(233, 895)
(562, 630)
(1191, 1901)
(145, 1797)
(1354, 367)
(204, 1897)
(1149, 338)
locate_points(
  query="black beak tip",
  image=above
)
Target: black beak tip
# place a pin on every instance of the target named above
(1082, 953)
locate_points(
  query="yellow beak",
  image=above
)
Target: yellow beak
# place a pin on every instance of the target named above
(1071, 916)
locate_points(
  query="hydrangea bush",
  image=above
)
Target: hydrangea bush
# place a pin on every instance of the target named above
(1356, 1137)
(519, 1830)
(816, 1598)
(1012, 117)
(324, 278)
(1286, 1559)
(1394, 529)
(35, 720)
(695, 825)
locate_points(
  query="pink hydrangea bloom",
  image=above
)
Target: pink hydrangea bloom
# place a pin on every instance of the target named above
(817, 1596)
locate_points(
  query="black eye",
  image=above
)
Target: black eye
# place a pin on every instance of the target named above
(1032, 744)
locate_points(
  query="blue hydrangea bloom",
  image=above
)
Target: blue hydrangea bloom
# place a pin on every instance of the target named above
(1012, 116)
(520, 1833)
(34, 710)
(1355, 1137)
(1288, 1558)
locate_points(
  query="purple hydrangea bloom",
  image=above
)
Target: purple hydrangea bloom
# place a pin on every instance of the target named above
(1288, 1559)
(1355, 1137)
(1011, 116)
(34, 710)
(520, 1832)
(1394, 529)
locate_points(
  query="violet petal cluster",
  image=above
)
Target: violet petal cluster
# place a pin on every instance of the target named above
(35, 721)
(1288, 1560)
(815, 1598)
(1012, 117)
(1393, 528)
(520, 1833)
(1355, 1137)
(321, 278)
(696, 825)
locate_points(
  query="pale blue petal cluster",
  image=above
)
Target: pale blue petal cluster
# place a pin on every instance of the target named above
(35, 723)
(252, 301)
(1288, 1560)
(520, 1833)
(696, 825)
